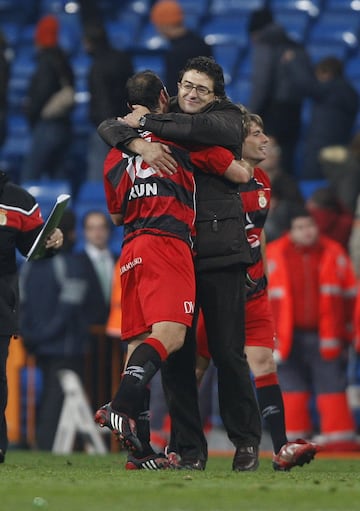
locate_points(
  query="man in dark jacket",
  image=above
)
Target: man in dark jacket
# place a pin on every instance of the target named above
(335, 104)
(51, 127)
(20, 224)
(220, 262)
(168, 18)
(54, 324)
(108, 73)
(274, 94)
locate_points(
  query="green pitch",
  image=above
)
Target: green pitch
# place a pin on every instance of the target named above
(79, 482)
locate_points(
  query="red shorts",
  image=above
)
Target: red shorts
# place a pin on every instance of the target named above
(259, 323)
(259, 326)
(158, 283)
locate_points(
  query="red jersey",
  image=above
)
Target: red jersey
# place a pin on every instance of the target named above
(156, 205)
(255, 196)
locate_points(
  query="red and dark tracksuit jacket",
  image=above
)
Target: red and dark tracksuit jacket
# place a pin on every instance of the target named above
(20, 223)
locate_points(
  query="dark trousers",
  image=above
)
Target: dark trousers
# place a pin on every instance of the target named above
(221, 295)
(181, 393)
(4, 351)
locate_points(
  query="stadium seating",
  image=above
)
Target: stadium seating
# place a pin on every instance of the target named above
(336, 27)
(236, 8)
(226, 29)
(228, 56)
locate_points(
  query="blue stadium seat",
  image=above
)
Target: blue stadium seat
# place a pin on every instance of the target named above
(311, 7)
(149, 39)
(91, 194)
(139, 7)
(51, 6)
(244, 66)
(239, 91)
(26, 37)
(199, 7)
(15, 11)
(46, 191)
(226, 29)
(80, 63)
(342, 5)
(147, 60)
(308, 187)
(319, 50)
(70, 32)
(227, 55)
(356, 84)
(336, 27)
(353, 68)
(121, 33)
(10, 30)
(234, 7)
(18, 126)
(14, 149)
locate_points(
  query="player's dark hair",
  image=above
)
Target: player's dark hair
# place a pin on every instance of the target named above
(144, 88)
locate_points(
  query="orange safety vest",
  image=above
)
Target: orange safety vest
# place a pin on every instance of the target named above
(337, 293)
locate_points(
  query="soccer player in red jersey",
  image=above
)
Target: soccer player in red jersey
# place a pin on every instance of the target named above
(259, 324)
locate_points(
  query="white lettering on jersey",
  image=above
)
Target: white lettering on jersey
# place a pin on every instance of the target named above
(135, 168)
(143, 190)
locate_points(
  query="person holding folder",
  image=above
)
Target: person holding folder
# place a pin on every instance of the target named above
(20, 224)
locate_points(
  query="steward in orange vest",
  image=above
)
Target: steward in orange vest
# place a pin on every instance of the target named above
(312, 290)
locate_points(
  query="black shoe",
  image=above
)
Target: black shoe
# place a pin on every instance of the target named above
(246, 459)
(192, 464)
(176, 463)
(2, 456)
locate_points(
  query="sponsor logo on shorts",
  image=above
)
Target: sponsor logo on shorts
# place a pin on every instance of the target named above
(189, 307)
(130, 265)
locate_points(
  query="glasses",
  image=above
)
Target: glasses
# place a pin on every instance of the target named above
(200, 89)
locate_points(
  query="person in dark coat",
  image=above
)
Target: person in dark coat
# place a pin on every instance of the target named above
(168, 18)
(50, 124)
(335, 104)
(274, 93)
(108, 74)
(54, 325)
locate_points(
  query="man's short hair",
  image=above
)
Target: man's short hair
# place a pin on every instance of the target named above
(208, 66)
(144, 88)
(331, 65)
(296, 211)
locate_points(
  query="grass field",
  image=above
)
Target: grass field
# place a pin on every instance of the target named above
(80, 482)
